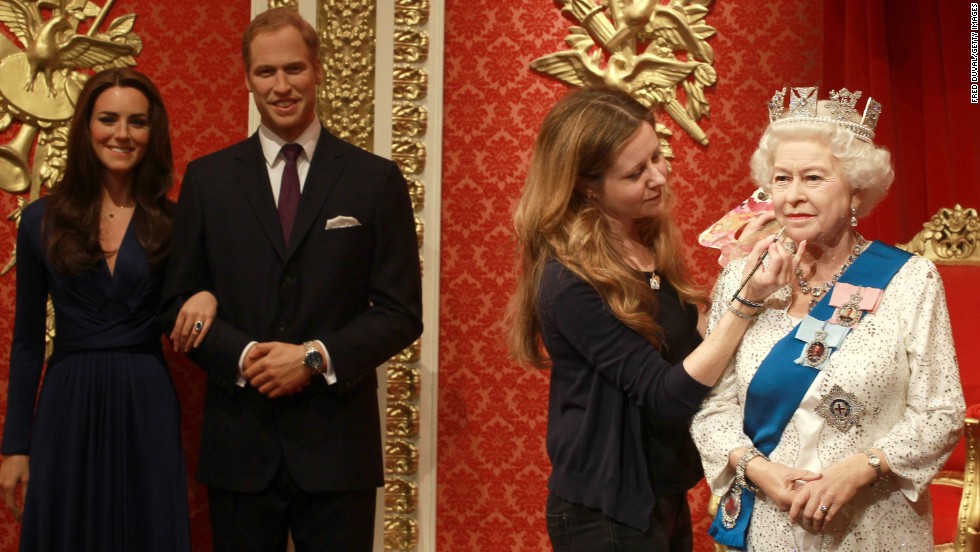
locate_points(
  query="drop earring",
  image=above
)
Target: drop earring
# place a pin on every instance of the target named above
(854, 220)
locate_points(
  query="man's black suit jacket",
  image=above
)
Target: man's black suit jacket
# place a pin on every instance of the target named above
(357, 289)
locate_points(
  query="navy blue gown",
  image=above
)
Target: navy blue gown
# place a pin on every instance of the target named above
(106, 468)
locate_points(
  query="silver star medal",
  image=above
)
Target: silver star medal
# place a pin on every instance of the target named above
(840, 409)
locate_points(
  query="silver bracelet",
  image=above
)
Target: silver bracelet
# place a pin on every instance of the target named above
(742, 315)
(743, 461)
(746, 302)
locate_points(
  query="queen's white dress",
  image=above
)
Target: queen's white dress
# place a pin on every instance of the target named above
(900, 364)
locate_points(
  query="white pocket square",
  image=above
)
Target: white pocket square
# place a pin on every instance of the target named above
(341, 222)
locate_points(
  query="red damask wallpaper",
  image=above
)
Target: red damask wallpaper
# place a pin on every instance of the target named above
(192, 52)
(492, 466)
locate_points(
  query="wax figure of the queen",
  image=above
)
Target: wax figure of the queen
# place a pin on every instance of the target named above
(844, 398)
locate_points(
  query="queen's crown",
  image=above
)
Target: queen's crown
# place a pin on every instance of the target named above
(839, 109)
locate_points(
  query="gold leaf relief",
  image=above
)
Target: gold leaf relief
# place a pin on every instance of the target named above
(642, 47)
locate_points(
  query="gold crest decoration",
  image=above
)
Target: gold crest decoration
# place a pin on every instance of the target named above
(643, 47)
(952, 236)
(40, 79)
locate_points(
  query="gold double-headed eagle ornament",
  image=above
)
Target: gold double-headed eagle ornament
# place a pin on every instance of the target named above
(40, 79)
(643, 47)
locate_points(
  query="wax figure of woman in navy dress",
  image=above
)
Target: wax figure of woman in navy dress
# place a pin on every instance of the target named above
(101, 447)
(604, 290)
(849, 372)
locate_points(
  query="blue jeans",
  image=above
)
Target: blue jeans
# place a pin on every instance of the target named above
(575, 528)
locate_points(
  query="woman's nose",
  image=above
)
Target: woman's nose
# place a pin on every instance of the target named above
(794, 190)
(658, 176)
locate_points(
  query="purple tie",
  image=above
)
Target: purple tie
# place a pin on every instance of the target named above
(289, 190)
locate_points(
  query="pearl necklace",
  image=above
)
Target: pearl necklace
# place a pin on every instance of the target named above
(818, 291)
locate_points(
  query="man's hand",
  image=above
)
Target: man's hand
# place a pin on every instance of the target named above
(14, 472)
(276, 369)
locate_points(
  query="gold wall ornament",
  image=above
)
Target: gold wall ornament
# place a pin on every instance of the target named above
(411, 46)
(410, 83)
(404, 382)
(411, 354)
(401, 532)
(347, 44)
(401, 495)
(950, 237)
(419, 230)
(401, 457)
(409, 154)
(411, 13)
(633, 45)
(410, 120)
(40, 80)
(416, 191)
(403, 419)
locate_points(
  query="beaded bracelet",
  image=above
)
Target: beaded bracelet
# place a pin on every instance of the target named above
(741, 314)
(746, 302)
(743, 461)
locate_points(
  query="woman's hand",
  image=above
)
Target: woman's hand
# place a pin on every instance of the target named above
(193, 321)
(778, 481)
(776, 270)
(817, 502)
(13, 472)
(749, 233)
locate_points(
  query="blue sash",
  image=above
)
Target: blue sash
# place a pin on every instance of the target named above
(779, 385)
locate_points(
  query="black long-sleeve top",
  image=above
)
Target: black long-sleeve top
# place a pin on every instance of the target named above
(618, 408)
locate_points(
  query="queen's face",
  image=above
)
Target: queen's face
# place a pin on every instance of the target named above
(633, 187)
(809, 196)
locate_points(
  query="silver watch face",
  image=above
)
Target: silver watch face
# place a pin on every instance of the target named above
(314, 361)
(874, 461)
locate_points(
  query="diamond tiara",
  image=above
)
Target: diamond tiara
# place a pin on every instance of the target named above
(839, 109)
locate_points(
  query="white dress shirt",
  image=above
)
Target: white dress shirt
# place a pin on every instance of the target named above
(274, 164)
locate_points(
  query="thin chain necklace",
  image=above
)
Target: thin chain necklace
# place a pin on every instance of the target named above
(654, 280)
(112, 214)
(818, 291)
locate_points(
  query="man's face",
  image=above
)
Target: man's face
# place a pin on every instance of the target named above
(283, 78)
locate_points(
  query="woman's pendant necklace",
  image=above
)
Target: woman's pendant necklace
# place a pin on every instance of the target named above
(111, 214)
(654, 281)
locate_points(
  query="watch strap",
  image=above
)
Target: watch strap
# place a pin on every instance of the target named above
(875, 462)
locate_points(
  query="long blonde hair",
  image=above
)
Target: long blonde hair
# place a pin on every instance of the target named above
(580, 138)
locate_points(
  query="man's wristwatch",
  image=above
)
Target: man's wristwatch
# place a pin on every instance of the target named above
(875, 463)
(313, 359)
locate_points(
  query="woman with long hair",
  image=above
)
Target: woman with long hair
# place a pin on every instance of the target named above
(100, 443)
(604, 300)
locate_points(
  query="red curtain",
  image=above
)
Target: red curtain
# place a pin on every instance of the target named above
(914, 57)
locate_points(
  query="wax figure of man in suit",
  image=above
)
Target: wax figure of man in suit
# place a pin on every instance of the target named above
(291, 437)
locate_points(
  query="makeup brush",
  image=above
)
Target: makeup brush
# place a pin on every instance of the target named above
(758, 264)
